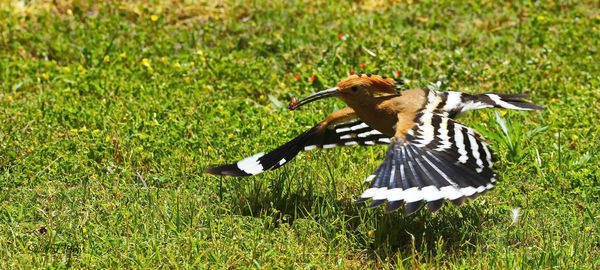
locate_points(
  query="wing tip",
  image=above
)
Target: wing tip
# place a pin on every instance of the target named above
(361, 200)
(435, 205)
(225, 170)
(413, 207)
(375, 203)
(393, 206)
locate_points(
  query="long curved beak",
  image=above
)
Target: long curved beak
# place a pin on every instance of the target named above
(331, 92)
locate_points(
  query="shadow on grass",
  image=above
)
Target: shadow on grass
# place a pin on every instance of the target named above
(450, 232)
(284, 199)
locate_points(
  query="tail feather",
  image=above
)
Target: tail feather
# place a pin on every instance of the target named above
(507, 101)
(454, 104)
(512, 96)
(521, 105)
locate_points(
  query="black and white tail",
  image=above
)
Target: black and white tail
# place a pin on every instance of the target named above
(438, 159)
(351, 132)
(455, 103)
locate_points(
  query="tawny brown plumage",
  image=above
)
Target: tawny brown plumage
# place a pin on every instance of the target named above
(431, 157)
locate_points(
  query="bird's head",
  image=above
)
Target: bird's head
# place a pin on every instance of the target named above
(355, 88)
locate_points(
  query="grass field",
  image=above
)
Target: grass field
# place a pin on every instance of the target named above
(109, 113)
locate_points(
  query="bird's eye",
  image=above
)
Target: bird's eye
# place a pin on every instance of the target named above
(354, 88)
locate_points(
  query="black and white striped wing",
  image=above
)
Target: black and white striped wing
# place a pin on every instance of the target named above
(439, 159)
(350, 132)
(347, 133)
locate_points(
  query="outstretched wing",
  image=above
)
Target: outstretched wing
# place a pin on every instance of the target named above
(437, 159)
(341, 128)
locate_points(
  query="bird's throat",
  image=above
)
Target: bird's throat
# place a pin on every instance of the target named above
(375, 114)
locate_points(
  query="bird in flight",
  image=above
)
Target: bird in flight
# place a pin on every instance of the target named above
(430, 157)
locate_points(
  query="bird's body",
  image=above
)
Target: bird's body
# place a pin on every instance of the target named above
(430, 158)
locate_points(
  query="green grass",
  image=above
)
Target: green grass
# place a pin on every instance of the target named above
(82, 114)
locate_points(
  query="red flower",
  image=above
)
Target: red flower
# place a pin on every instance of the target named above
(307, 156)
(398, 73)
(363, 65)
(352, 72)
(297, 76)
(313, 78)
(322, 52)
(341, 35)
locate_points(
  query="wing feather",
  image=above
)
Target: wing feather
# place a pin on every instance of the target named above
(438, 159)
(342, 128)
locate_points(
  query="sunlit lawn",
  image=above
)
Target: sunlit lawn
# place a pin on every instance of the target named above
(109, 113)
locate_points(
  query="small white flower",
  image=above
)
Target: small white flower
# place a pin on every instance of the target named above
(435, 85)
(514, 215)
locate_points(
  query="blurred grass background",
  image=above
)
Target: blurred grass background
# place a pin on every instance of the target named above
(109, 113)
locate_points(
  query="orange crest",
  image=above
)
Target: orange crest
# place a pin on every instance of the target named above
(375, 82)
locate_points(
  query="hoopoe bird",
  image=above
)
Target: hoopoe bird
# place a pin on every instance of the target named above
(430, 158)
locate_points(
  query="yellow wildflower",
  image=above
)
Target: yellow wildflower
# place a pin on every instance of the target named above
(84, 230)
(107, 139)
(67, 69)
(69, 12)
(107, 58)
(209, 148)
(123, 54)
(502, 112)
(140, 148)
(177, 65)
(230, 135)
(574, 137)
(199, 52)
(146, 62)
(186, 79)
(74, 130)
(154, 18)
(192, 64)
(45, 75)
(83, 129)
(587, 228)
(484, 117)
(96, 131)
